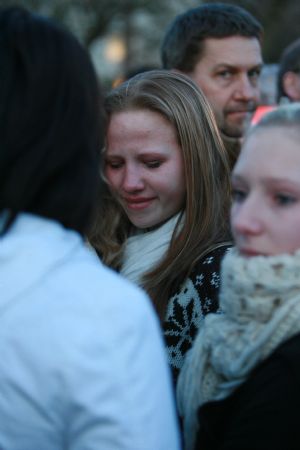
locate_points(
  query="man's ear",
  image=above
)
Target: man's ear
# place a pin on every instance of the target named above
(291, 85)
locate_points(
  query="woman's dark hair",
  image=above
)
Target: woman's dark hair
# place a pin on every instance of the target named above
(51, 127)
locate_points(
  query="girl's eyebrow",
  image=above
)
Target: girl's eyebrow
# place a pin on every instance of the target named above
(273, 180)
(270, 181)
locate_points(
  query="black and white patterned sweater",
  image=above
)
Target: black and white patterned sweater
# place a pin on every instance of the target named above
(196, 297)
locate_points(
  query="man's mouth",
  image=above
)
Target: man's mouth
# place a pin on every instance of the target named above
(240, 111)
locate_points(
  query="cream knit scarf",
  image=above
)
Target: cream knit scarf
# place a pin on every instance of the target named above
(260, 298)
(144, 250)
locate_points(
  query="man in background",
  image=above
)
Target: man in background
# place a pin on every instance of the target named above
(219, 47)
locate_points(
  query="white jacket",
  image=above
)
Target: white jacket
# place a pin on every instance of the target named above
(82, 363)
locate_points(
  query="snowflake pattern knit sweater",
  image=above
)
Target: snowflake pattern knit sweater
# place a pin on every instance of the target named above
(197, 296)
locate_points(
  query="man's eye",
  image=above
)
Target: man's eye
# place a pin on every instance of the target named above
(254, 74)
(238, 195)
(284, 199)
(226, 74)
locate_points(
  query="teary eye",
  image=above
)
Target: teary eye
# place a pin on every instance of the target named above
(284, 199)
(153, 164)
(113, 164)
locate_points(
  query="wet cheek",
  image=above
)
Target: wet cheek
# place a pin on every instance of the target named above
(178, 180)
(111, 178)
(179, 194)
(107, 175)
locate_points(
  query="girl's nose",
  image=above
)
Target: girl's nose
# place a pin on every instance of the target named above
(132, 180)
(246, 218)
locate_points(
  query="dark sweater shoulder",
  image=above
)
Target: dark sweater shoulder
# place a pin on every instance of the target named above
(290, 351)
(263, 412)
(189, 304)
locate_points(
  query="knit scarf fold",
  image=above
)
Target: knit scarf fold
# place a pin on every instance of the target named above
(143, 251)
(260, 299)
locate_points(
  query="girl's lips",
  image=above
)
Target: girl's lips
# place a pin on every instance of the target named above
(138, 203)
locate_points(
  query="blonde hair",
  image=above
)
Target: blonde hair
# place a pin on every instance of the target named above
(206, 208)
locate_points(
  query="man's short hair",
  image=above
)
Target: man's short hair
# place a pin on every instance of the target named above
(289, 62)
(182, 45)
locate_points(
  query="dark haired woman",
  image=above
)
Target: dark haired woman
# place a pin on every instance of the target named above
(82, 363)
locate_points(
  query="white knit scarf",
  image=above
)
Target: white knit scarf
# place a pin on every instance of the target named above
(143, 251)
(260, 298)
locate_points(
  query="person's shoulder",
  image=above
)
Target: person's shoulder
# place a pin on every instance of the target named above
(212, 259)
(88, 272)
(289, 352)
(263, 411)
(87, 288)
(219, 250)
(279, 369)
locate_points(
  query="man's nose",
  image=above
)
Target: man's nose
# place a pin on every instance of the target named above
(244, 89)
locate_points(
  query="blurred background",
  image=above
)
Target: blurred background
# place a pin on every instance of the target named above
(125, 35)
